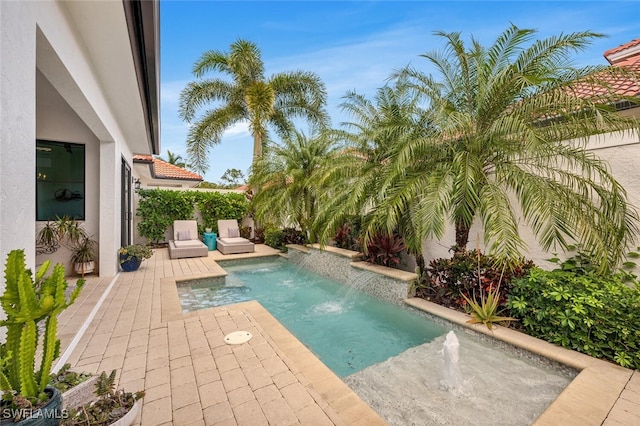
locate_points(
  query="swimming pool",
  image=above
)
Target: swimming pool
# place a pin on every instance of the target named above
(347, 329)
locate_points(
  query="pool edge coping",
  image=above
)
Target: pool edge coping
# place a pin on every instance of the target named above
(336, 393)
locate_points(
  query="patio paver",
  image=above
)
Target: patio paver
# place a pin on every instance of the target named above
(191, 376)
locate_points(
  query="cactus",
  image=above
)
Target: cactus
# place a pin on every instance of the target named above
(27, 303)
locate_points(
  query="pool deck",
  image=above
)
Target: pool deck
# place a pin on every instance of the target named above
(133, 323)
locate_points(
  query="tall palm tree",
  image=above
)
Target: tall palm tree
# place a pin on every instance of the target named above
(246, 95)
(510, 122)
(288, 180)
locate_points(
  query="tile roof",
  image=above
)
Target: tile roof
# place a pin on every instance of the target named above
(625, 56)
(621, 48)
(162, 170)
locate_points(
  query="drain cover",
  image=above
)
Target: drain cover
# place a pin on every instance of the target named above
(237, 337)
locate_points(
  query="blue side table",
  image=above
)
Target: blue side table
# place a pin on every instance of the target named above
(210, 240)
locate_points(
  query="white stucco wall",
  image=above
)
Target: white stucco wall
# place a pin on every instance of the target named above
(621, 152)
(97, 82)
(17, 137)
(56, 121)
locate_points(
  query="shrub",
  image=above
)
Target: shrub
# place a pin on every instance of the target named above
(273, 237)
(471, 273)
(279, 238)
(258, 236)
(293, 236)
(385, 250)
(594, 314)
(347, 236)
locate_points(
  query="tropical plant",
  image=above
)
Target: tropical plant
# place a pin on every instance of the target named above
(347, 236)
(175, 159)
(590, 313)
(86, 250)
(138, 251)
(385, 249)
(279, 238)
(32, 306)
(510, 123)
(486, 311)
(64, 231)
(358, 179)
(232, 178)
(111, 404)
(248, 96)
(274, 237)
(446, 280)
(288, 180)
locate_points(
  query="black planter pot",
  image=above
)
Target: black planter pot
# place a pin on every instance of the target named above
(48, 415)
(129, 265)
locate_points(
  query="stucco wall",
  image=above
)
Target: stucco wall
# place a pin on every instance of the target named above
(56, 121)
(621, 152)
(97, 82)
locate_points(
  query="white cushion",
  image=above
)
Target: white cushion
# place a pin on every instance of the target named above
(184, 235)
(233, 232)
(234, 240)
(189, 243)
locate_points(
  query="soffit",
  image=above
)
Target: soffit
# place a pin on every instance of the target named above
(102, 27)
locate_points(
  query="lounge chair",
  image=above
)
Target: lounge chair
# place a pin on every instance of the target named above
(229, 240)
(185, 241)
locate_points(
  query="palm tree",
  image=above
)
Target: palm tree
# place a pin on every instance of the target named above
(175, 159)
(358, 179)
(247, 95)
(288, 180)
(510, 122)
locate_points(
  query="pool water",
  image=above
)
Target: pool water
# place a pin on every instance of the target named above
(347, 329)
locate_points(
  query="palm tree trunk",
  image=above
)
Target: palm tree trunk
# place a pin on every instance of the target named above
(462, 237)
(257, 147)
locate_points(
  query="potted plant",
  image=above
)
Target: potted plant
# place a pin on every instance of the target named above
(112, 406)
(83, 255)
(131, 256)
(32, 307)
(69, 233)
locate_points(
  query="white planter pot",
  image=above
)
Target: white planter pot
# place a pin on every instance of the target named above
(128, 418)
(80, 394)
(87, 267)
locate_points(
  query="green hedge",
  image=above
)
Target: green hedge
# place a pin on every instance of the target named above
(158, 208)
(215, 206)
(594, 314)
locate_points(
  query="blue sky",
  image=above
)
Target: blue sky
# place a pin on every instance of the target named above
(353, 45)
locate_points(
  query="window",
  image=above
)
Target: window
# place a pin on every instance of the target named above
(59, 180)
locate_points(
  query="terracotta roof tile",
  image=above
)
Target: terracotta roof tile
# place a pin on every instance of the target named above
(628, 85)
(622, 47)
(164, 170)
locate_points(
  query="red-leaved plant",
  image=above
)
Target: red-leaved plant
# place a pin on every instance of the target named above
(385, 250)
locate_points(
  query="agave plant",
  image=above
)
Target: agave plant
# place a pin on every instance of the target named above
(486, 310)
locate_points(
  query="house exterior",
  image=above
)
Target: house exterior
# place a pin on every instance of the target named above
(622, 152)
(79, 95)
